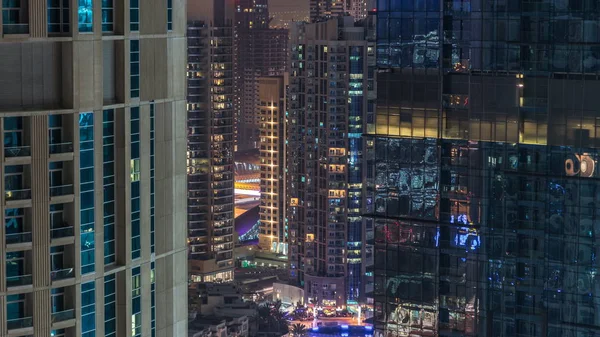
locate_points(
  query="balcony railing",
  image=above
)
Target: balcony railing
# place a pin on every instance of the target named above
(18, 281)
(57, 191)
(17, 151)
(63, 315)
(61, 148)
(57, 275)
(16, 238)
(15, 28)
(62, 232)
(20, 323)
(18, 195)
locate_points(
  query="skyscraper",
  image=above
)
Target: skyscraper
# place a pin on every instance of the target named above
(210, 140)
(92, 96)
(272, 108)
(326, 9)
(258, 51)
(331, 96)
(484, 176)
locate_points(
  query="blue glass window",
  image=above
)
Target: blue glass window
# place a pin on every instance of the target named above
(107, 15)
(134, 64)
(134, 15)
(110, 306)
(86, 166)
(136, 302)
(136, 240)
(169, 14)
(109, 185)
(152, 112)
(15, 307)
(15, 17)
(58, 16)
(85, 13)
(88, 309)
(13, 132)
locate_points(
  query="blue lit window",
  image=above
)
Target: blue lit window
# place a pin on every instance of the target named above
(13, 133)
(58, 16)
(85, 13)
(15, 309)
(15, 17)
(86, 179)
(88, 309)
(134, 64)
(110, 306)
(134, 15)
(169, 14)
(107, 15)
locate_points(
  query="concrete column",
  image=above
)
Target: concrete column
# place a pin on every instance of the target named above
(38, 18)
(171, 218)
(40, 223)
(40, 198)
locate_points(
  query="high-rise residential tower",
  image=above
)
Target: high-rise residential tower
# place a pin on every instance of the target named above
(272, 108)
(331, 96)
(485, 185)
(210, 140)
(92, 104)
(258, 51)
(326, 9)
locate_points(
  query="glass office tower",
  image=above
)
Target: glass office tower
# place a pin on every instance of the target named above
(484, 192)
(92, 114)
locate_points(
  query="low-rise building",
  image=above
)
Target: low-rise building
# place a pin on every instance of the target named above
(216, 326)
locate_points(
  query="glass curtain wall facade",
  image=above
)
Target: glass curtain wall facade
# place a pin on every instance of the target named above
(483, 186)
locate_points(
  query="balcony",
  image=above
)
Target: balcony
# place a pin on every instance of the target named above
(63, 274)
(18, 238)
(62, 232)
(60, 148)
(62, 316)
(15, 28)
(62, 190)
(20, 323)
(16, 195)
(17, 151)
(19, 281)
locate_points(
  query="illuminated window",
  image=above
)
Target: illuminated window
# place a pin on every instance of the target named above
(135, 170)
(85, 13)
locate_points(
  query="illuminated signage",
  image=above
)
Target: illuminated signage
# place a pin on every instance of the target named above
(581, 164)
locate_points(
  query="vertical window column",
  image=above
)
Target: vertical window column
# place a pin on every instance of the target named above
(152, 178)
(110, 306)
(169, 15)
(153, 298)
(86, 178)
(85, 14)
(136, 302)
(134, 68)
(134, 15)
(107, 16)
(108, 171)
(88, 309)
(135, 184)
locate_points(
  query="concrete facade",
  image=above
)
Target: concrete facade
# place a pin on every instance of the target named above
(73, 223)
